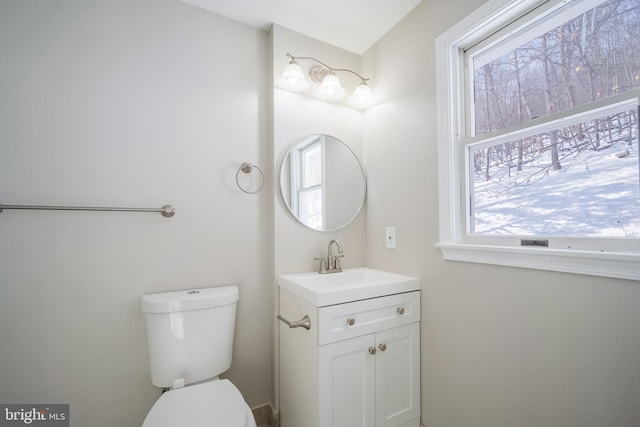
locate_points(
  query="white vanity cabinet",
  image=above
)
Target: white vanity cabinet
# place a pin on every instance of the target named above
(357, 366)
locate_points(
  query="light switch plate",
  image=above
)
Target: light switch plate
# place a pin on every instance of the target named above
(390, 237)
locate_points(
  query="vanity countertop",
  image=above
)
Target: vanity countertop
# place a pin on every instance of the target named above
(352, 284)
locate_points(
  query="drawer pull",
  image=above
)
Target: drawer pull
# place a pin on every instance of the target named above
(382, 347)
(351, 321)
(372, 350)
(400, 310)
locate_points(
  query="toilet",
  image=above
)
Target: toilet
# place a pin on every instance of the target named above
(190, 340)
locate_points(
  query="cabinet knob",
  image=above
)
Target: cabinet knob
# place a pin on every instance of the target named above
(351, 321)
(382, 347)
(400, 310)
(372, 350)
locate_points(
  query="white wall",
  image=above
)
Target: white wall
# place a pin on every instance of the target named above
(500, 346)
(132, 103)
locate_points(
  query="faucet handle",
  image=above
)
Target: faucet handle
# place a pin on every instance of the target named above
(323, 265)
(336, 262)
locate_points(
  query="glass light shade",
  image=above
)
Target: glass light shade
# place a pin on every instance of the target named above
(362, 96)
(293, 78)
(331, 88)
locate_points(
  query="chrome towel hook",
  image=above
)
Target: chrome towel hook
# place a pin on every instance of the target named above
(248, 168)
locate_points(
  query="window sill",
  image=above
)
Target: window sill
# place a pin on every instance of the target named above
(606, 264)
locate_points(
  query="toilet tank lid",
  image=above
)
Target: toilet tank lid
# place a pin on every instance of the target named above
(194, 299)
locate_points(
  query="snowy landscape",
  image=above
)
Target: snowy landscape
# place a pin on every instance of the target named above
(553, 151)
(596, 193)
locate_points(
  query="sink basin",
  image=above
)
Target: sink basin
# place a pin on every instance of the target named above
(352, 284)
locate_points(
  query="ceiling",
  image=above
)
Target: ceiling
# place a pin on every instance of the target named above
(354, 25)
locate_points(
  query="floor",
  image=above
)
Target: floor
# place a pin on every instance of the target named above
(264, 416)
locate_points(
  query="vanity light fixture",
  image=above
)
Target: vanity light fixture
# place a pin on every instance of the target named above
(330, 88)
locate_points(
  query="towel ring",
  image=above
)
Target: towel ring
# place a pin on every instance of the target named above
(248, 168)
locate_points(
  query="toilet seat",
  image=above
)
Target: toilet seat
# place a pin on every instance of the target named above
(211, 404)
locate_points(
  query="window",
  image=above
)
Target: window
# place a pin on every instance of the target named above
(307, 171)
(538, 136)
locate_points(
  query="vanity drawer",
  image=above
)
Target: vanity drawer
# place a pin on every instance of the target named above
(343, 321)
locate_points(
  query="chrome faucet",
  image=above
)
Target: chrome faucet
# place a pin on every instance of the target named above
(331, 264)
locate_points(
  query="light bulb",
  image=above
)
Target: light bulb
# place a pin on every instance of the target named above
(330, 89)
(293, 78)
(362, 96)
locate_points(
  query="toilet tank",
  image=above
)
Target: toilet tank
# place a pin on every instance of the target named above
(189, 334)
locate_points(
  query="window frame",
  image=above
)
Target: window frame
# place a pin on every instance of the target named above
(455, 243)
(297, 182)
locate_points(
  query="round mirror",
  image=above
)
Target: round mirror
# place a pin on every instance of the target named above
(322, 182)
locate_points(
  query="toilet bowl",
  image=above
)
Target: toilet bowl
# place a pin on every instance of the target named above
(190, 340)
(210, 404)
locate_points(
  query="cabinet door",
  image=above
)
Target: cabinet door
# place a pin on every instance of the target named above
(347, 383)
(398, 375)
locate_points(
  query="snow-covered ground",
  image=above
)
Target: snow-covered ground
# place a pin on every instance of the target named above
(596, 193)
